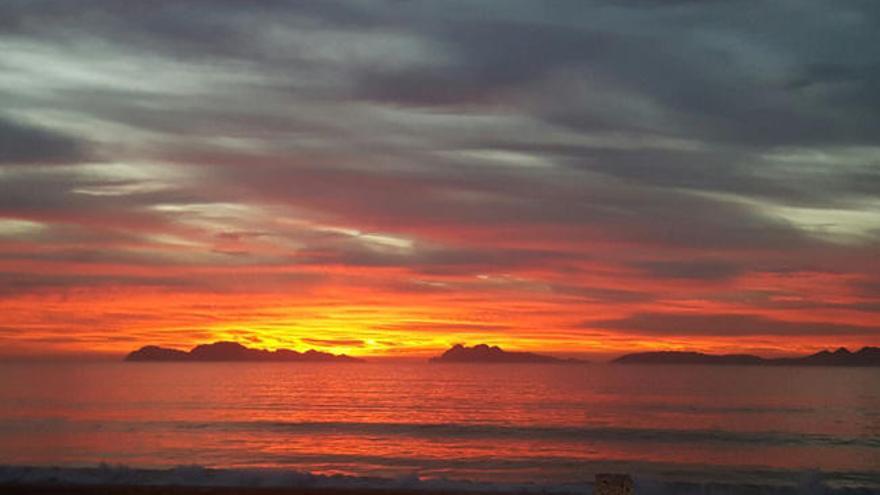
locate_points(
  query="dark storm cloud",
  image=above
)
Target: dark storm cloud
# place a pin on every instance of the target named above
(722, 325)
(23, 144)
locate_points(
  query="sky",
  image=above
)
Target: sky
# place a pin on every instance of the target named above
(388, 178)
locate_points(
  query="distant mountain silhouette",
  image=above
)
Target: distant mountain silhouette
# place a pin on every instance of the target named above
(483, 353)
(233, 351)
(867, 356)
(156, 353)
(678, 357)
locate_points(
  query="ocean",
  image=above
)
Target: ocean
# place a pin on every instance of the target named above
(533, 427)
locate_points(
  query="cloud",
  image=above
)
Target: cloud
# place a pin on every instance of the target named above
(458, 158)
(868, 287)
(333, 342)
(726, 325)
(16, 284)
(24, 144)
(695, 270)
(448, 327)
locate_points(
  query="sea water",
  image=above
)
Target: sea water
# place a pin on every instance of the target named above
(547, 427)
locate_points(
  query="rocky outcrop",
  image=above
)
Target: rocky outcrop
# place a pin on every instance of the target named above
(233, 351)
(867, 356)
(483, 353)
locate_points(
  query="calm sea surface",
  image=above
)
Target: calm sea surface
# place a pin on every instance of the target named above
(494, 423)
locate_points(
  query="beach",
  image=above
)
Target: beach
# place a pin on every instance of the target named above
(203, 490)
(190, 490)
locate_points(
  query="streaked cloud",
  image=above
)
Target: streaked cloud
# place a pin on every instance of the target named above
(404, 174)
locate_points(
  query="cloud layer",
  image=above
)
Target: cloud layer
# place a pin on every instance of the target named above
(394, 176)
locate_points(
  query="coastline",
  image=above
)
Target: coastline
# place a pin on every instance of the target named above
(121, 479)
(197, 480)
(36, 489)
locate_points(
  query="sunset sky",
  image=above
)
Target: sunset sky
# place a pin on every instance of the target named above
(387, 178)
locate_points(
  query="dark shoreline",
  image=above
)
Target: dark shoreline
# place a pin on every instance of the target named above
(47, 489)
(842, 357)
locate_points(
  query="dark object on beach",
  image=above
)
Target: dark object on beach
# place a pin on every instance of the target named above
(483, 353)
(233, 351)
(867, 356)
(613, 484)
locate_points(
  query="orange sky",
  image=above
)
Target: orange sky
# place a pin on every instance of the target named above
(576, 308)
(388, 183)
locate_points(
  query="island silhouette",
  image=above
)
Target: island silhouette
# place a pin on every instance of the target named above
(233, 351)
(866, 356)
(482, 353)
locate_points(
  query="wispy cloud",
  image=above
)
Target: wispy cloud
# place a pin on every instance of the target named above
(509, 167)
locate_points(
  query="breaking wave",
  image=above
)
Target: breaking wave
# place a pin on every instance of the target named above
(469, 431)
